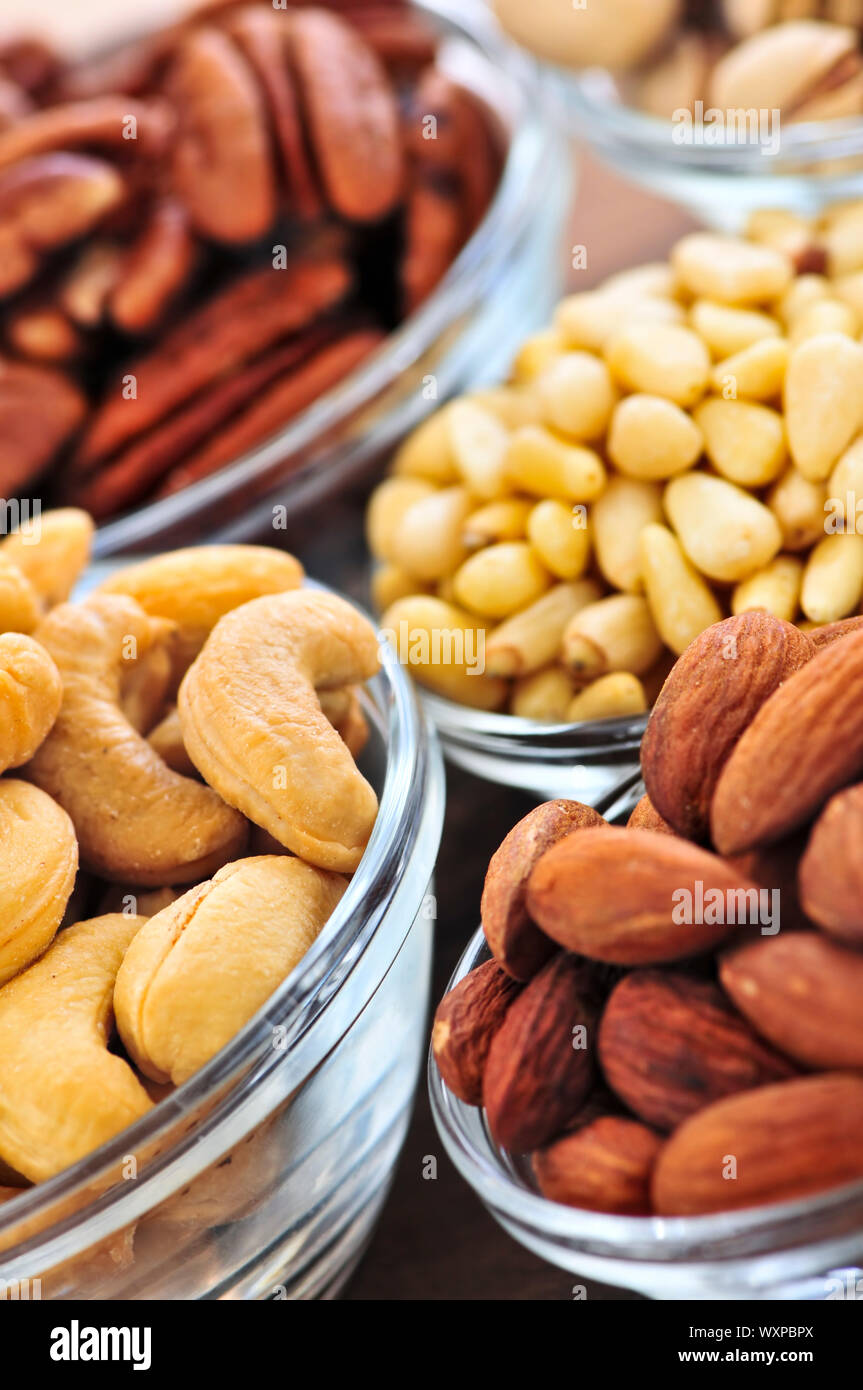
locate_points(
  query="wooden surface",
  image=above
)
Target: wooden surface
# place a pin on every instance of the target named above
(435, 1239)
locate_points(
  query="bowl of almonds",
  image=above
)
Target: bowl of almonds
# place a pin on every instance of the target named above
(681, 444)
(648, 1060)
(232, 249)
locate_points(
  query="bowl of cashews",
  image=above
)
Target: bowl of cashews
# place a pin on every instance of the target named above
(681, 443)
(220, 806)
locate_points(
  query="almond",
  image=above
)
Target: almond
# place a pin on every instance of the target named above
(646, 817)
(775, 867)
(605, 1166)
(516, 942)
(669, 1045)
(831, 870)
(803, 992)
(466, 1020)
(803, 744)
(540, 1063)
(831, 632)
(623, 896)
(710, 697)
(770, 1145)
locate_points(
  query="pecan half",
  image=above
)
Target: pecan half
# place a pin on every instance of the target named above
(39, 410)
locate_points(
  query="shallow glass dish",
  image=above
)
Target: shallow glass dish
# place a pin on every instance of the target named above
(263, 1175)
(809, 1249)
(595, 762)
(504, 283)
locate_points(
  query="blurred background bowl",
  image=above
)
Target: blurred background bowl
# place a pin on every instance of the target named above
(504, 282)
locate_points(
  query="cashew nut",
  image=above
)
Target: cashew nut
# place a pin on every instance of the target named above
(136, 820)
(345, 713)
(30, 695)
(167, 739)
(62, 1093)
(201, 968)
(53, 554)
(144, 686)
(194, 588)
(253, 725)
(38, 863)
(20, 608)
(140, 902)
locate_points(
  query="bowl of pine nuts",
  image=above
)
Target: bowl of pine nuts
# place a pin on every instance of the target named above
(682, 443)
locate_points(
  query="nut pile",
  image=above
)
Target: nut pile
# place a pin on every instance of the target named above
(682, 443)
(183, 816)
(799, 57)
(671, 1020)
(203, 231)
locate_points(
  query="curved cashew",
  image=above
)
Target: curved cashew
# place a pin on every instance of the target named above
(136, 820)
(141, 902)
(30, 696)
(144, 687)
(62, 1093)
(20, 609)
(345, 713)
(52, 554)
(201, 968)
(196, 587)
(342, 708)
(167, 739)
(254, 728)
(38, 864)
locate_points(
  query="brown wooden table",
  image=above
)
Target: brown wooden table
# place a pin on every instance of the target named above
(435, 1239)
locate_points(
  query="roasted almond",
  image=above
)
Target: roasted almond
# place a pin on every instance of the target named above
(831, 870)
(465, 1023)
(646, 817)
(670, 1044)
(831, 632)
(631, 897)
(540, 1064)
(512, 937)
(803, 992)
(770, 1145)
(606, 1166)
(803, 744)
(774, 868)
(712, 694)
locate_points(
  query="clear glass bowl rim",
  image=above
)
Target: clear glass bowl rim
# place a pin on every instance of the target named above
(248, 1062)
(635, 1238)
(600, 734)
(525, 168)
(585, 97)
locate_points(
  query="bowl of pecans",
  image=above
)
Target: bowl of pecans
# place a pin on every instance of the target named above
(244, 252)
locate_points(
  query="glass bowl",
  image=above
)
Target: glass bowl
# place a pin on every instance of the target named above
(263, 1175)
(812, 163)
(815, 163)
(809, 1249)
(505, 282)
(596, 762)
